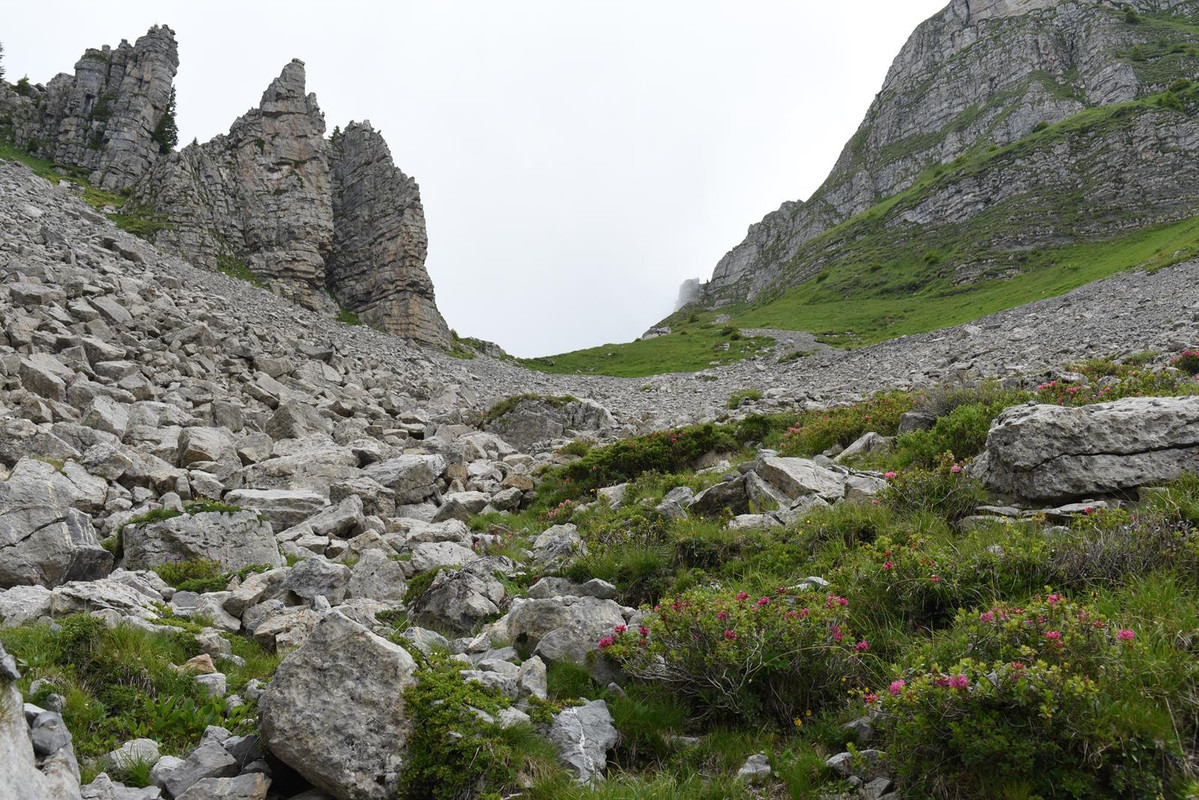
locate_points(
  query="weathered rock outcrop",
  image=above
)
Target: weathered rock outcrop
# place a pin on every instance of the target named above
(531, 420)
(377, 262)
(44, 539)
(259, 197)
(319, 223)
(235, 541)
(105, 117)
(1047, 453)
(983, 74)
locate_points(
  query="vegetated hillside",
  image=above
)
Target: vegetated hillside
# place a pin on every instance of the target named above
(1015, 152)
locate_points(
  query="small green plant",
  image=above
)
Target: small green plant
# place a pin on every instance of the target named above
(347, 317)
(454, 752)
(419, 584)
(194, 575)
(578, 447)
(736, 399)
(234, 267)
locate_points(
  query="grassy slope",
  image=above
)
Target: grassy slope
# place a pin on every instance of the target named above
(846, 318)
(885, 282)
(694, 345)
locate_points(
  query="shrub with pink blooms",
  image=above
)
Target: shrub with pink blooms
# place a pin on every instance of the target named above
(1187, 361)
(945, 490)
(777, 655)
(1029, 698)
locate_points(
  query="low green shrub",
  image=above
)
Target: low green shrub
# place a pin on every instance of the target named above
(1126, 382)
(816, 431)
(194, 575)
(670, 451)
(1026, 701)
(1187, 361)
(963, 432)
(419, 584)
(736, 399)
(455, 754)
(579, 447)
(944, 490)
(772, 657)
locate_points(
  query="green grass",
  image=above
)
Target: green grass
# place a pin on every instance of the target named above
(689, 348)
(825, 309)
(119, 683)
(236, 268)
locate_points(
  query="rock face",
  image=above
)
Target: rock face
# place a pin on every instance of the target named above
(104, 117)
(377, 263)
(318, 223)
(259, 196)
(982, 74)
(335, 710)
(1047, 453)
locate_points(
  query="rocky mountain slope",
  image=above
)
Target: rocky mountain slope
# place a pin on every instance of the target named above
(324, 224)
(1008, 125)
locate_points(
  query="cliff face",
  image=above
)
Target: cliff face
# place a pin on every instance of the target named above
(259, 196)
(377, 262)
(320, 223)
(102, 118)
(981, 74)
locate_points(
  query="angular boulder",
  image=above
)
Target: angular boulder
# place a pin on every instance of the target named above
(462, 599)
(282, 507)
(413, 478)
(234, 540)
(532, 419)
(795, 478)
(563, 628)
(43, 540)
(584, 735)
(335, 711)
(1038, 454)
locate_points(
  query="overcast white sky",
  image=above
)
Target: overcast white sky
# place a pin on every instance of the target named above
(578, 159)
